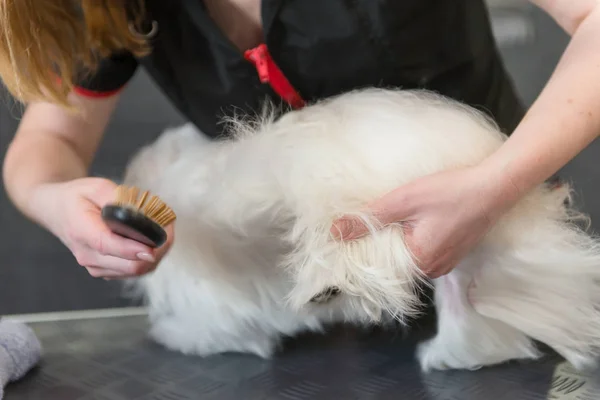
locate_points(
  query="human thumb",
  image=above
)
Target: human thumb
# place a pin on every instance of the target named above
(348, 228)
(385, 210)
(352, 227)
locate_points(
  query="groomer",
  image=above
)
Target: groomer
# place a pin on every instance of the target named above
(214, 56)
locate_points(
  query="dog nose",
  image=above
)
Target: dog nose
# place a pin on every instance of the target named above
(326, 295)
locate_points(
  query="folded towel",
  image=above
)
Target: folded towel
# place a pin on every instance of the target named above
(20, 351)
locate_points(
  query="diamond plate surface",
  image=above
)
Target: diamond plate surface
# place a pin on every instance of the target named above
(112, 359)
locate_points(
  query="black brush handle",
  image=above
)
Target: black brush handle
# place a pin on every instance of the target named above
(133, 225)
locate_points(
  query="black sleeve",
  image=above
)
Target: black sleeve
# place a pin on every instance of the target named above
(112, 74)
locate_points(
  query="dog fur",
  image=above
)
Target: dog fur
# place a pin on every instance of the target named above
(253, 260)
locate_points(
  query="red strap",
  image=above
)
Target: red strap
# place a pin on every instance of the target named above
(92, 93)
(269, 72)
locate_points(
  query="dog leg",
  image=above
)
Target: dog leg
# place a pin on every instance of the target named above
(552, 294)
(202, 310)
(189, 336)
(465, 338)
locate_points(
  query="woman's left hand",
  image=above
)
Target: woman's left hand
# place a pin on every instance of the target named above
(444, 215)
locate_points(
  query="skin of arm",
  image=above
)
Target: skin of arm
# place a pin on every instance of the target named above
(565, 118)
(53, 145)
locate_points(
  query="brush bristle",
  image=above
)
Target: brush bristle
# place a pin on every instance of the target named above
(152, 207)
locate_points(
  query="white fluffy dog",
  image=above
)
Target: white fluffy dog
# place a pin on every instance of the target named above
(253, 259)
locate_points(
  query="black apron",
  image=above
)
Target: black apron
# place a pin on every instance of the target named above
(323, 48)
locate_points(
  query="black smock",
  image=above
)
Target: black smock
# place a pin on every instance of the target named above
(323, 47)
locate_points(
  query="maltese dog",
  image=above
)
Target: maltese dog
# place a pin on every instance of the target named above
(253, 259)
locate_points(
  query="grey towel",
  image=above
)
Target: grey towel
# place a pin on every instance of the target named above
(20, 351)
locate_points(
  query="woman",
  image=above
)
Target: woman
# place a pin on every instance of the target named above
(208, 59)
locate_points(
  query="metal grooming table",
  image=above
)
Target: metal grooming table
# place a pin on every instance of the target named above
(109, 357)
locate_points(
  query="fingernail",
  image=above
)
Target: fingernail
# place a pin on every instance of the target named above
(146, 257)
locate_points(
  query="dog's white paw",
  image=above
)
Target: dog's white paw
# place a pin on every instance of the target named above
(473, 352)
(435, 355)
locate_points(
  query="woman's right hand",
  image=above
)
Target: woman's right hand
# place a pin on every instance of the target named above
(72, 212)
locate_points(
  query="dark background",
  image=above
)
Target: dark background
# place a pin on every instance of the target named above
(37, 274)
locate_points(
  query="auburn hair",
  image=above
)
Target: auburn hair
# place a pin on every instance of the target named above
(45, 45)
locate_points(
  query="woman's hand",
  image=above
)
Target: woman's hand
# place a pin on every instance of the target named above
(444, 215)
(71, 211)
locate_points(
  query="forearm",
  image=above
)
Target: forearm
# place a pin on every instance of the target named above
(53, 145)
(35, 160)
(562, 121)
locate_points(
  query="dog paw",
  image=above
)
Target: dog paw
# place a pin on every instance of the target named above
(433, 355)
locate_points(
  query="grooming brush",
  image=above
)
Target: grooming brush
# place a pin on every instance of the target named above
(138, 217)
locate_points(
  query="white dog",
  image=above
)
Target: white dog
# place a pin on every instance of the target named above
(253, 259)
